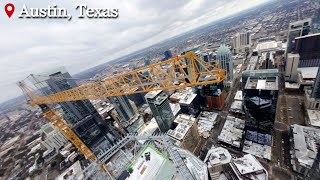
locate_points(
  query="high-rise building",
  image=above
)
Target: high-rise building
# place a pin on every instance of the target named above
(123, 107)
(241, 42)
(292, 63)
(297, 29)
(308, 47)
(260, 97)
(188, 101)
(316, 22)
(81, 116)
(146, 61)
(160, 108)
(185, 134)
(225, 61)
(51, 137)
(221, 165)
(167, 54)
(137, 98)
(211, 96)
(218, 160)
(215, 102)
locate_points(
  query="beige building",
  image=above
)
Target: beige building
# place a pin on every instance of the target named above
(185, 135)
(241, 42)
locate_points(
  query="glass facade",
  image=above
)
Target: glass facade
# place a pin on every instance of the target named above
(161, 110)
(123, 107)
(226, 62)
(81, 116)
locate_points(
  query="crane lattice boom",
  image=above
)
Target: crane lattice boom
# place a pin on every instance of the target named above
(182, 71)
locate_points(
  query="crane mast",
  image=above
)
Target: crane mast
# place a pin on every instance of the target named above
(183, 71)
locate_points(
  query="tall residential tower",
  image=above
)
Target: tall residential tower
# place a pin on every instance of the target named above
(80, 115)
(225, 60)
(160, 108)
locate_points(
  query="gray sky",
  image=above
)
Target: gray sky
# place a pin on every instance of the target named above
(34, 45)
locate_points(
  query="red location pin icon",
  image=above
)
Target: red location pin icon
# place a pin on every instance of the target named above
(9, 8)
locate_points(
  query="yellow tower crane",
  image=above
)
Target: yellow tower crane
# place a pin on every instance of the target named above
(183, 71)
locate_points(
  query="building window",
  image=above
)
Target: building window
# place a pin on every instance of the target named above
(317, 105)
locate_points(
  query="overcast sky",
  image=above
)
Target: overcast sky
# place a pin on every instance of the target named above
(34, 45)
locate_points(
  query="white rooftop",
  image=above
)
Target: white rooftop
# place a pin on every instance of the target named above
(152, 94)
(256, 149)
(150, 128)
(232, 131)
(184, 97)
(238, 95)
(206, 121)
(184, 124)
(250, 167)
(291, 85)
(264, 84)
(308, 72)
(305, 139)
(217, 156)
(265, 46)
(314, 117)
(236, 106)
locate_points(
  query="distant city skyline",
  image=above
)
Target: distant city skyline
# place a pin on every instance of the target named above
(34, 45)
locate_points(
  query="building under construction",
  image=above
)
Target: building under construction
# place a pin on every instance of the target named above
(144, 158)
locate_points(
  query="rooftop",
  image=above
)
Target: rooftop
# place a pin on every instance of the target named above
(261, 73)
(236, 106)
(184, 122)
(305, 142)
(238, 96)
(265, 46)
(291, 85)
(314, 117)
(152, 164)
(142, 168)
(206, 121)
(308, 72)
(256, 149)
(250, 167)
(117, 163)
(184, 97)
(232, 131)
(264, 84)
(71, 172)
(217, 156)
(152, 94)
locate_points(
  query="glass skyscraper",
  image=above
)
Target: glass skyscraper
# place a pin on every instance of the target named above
(224, 58)
(123, 107)
(160, 108)
(81, 116)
